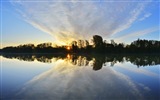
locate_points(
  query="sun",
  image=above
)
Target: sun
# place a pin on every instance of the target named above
(68, 47)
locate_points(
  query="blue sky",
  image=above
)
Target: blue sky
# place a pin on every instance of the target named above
(27, 21)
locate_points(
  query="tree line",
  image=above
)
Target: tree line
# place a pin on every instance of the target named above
(98, 61)
(83, 46)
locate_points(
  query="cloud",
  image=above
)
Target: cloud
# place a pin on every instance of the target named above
(145, 16)
(137, 34)
(67, 21)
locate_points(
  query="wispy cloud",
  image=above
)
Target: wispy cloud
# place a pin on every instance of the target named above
(67, 21)
(137, 34)
(145, 16)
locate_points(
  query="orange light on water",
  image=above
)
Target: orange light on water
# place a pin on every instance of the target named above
(68, 56)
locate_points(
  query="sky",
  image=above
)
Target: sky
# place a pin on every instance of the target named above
(62, 21)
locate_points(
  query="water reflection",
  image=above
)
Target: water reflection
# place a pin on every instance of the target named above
(72, 77)
(72, 83)
(83, 60)
(65, 81)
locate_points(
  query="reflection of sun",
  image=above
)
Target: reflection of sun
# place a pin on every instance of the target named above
(68, 47)
(68, 56)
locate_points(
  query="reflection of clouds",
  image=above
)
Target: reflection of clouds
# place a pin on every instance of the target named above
(132, 68)
(145, 87)
(66, 81)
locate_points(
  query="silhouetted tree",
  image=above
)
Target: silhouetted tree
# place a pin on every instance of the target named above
(97, 40)
(74, 46)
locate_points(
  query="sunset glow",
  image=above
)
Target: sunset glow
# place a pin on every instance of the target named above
(68, 48)
(60, 22)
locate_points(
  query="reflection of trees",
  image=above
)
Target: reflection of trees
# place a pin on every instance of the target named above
(23, 57)
(145, 60)
(97, 60)
(114, 59)
(101, 60)
(45, 58)
(80, 60)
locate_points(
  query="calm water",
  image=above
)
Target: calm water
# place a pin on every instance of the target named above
(79, 77)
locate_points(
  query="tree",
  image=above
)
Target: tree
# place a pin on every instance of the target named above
(74, 46)
(86, 43)
(97, 40)
(80, 43)
(44, 45)
(113, 43)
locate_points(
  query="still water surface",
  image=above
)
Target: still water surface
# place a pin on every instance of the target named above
(72, 77)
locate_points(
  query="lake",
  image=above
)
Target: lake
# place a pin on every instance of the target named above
(80, 77)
